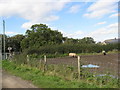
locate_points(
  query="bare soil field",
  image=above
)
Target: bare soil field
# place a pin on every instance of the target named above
(107, 63)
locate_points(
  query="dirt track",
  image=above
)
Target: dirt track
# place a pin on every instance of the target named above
(10, 81)
(107, 63)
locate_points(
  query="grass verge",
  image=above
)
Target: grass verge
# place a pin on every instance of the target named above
(39, 79)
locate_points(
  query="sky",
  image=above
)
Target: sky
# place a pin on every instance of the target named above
(73, 18)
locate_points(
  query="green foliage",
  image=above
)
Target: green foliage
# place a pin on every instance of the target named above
(40, 35)
(20, 59)
(14, 42)
(42, 40)
(56, 50)
(87, 40)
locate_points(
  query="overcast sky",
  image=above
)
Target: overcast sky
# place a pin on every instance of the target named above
(74, 18)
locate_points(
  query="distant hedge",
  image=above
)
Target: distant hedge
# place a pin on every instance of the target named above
(76, 48)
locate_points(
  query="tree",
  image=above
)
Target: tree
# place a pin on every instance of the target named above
(41, 35)
(14, 42)
(70, 40)
(87, 40)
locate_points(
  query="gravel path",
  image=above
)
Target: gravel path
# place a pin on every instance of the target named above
(10, 81)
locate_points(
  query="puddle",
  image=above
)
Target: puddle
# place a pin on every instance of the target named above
(96, 66)
(90, 66)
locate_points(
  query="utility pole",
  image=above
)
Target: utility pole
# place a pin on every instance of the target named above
(0, 46)
(4, 38)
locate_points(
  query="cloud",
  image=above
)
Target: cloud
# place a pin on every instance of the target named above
(73, 34)
(99, 9)
(74, 9)
(101, 0)
(27, 25)
(37, 11)
(100, 23)
(114, 15)
(11, 33)
(110, 31)
(114, 25)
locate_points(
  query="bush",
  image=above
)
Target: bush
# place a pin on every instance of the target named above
(54, 50)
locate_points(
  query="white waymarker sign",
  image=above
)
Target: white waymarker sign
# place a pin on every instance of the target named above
(9, 48)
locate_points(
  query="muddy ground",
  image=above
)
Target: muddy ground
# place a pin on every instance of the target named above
(108, 63)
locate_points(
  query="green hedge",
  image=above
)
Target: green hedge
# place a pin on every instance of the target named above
(76, 48)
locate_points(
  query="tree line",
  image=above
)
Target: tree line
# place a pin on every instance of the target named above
(41, 39)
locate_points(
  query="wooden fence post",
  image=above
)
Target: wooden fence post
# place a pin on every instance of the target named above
(27, 59)
(45, 63)
(78, 67)
(40, 64)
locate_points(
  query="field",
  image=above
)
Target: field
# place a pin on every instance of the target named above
(107, 63)
(62, 72)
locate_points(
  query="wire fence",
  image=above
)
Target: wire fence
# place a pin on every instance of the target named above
(70, 68)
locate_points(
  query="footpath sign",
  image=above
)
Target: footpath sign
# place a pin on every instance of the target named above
(9, 48)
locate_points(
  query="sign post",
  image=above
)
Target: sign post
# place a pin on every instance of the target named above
(4, 39)
(10, 48)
